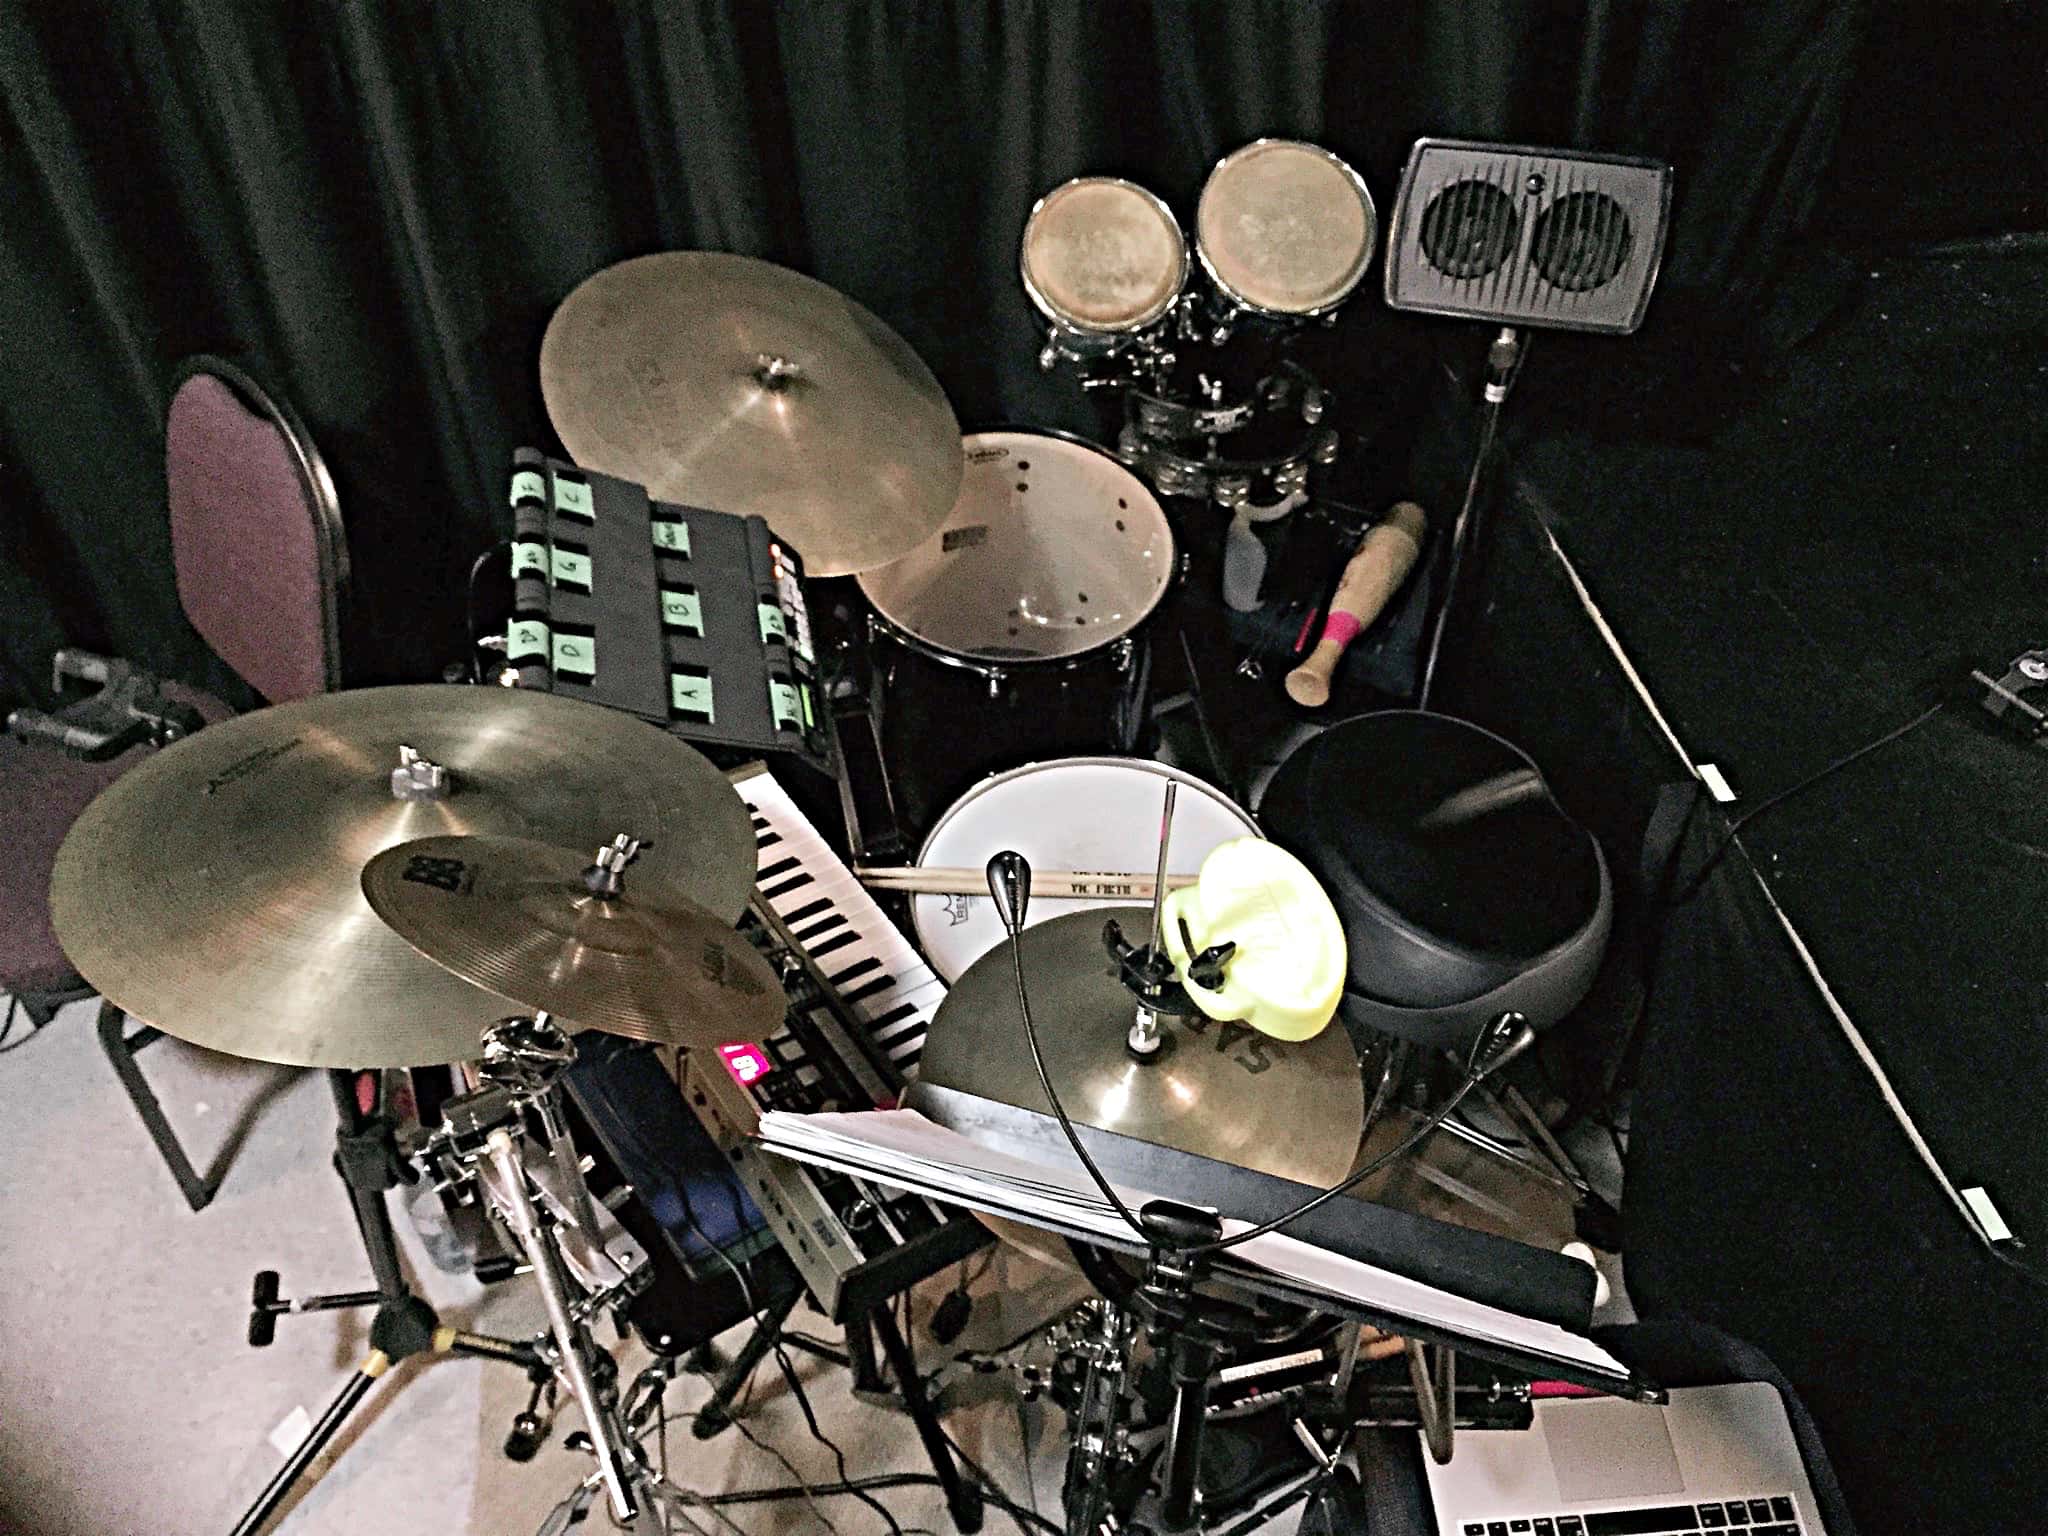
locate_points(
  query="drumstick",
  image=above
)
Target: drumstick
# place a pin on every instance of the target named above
(936, 880)
(1374, 574)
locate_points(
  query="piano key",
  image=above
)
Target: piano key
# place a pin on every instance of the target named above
(795, 882)
(769, 873)
(860, 967)
(825, 947)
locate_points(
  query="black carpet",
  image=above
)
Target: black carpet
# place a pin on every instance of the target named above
(1796, 564)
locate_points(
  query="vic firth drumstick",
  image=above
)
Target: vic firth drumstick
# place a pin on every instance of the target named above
(1374, 574)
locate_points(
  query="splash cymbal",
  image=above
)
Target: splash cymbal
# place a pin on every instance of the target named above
(1292, 1109)
(214, 890)
(517, 918)
(730, 383)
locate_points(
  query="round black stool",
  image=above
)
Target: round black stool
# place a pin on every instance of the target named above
(1465, 891)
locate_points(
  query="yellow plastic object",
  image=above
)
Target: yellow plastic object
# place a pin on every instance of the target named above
(1287, 973)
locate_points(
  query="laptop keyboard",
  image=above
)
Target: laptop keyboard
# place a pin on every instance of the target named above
(1775, 1516)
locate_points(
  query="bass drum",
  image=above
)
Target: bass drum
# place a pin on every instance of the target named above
(1084, 814)
(1019, 630)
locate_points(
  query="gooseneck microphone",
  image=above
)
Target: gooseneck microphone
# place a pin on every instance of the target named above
(1009, 885)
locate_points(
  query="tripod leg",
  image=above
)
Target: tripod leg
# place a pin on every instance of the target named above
(357, 1388)
(717, 1414)
(962, 1498)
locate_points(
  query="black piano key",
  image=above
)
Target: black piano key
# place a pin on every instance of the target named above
(870, 989)
(837, 941)
(885, 1023)
(811, 931)
(807, 911)
(795, 882)
(858, 968)
(776, 871)
(768, 839)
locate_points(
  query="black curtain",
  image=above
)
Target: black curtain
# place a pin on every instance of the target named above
(377, 205)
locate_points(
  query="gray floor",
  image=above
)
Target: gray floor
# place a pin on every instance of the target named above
(130, 1404)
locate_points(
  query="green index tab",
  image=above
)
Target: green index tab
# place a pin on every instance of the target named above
(681, 610)
(529, 559)
(576, 655)
(782, 699)
(672, 536)
(571, 569)
(690, 694)
(574, 499)
(773, 626)
(527, 485)
(526, 640)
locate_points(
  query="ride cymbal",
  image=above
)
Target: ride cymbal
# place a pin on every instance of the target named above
(215, 889)
(1294, 1110)
(725, 382)
(518, 918)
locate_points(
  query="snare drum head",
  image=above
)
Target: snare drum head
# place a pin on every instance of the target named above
(1053, 550)
(1102, 254)
(1285, 228)
(1086, 814)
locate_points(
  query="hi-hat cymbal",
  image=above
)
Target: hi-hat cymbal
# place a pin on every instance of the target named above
(515, 916)
(215, 889)
(730, 383)
(1293, 1109)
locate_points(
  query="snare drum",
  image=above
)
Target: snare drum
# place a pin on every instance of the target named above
(1102, 259)
(1088, 814)
(1017, 631)
(1284, 229)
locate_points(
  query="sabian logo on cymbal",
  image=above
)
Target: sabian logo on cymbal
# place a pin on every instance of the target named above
(987, 455)
(256, 761)
(716, 966)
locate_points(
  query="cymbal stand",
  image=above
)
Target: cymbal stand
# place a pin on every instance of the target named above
(367, 1158)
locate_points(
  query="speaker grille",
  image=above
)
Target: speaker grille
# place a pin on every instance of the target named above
(1581, 241)
(1553, 238)
(1469, 228)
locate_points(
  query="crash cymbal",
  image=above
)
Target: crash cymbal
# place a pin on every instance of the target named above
(734, 384)
(1293, 1109)
(214, 890)
(517, 917)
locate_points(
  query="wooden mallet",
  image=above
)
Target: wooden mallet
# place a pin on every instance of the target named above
(1374, 574)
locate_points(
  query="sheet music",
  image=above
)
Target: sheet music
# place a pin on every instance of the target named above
(902, 1147)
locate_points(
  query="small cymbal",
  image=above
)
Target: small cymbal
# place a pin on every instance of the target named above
(214, 890)
(1292, 1109)
(515, 917)
(730, 383)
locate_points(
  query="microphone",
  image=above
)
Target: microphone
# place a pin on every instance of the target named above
(1009, 884)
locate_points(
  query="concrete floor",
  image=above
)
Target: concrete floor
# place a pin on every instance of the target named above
(130, 1404)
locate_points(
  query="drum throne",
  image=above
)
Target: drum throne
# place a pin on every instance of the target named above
(1465, 892)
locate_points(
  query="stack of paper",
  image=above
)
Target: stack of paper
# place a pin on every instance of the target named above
(902, 1148)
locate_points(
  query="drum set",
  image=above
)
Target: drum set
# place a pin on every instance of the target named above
(399, 877)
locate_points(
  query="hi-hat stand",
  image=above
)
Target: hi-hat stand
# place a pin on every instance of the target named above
(367, 1158)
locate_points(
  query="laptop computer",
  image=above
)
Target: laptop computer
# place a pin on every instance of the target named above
(1712, 1459)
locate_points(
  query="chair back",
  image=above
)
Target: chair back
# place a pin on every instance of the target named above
(256, 534)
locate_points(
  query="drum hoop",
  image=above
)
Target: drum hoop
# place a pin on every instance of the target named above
(1182, 776)
(1074, 661)
(1055, 312)
(1372, 233)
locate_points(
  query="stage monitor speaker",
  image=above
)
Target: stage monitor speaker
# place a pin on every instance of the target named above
(1542, 237)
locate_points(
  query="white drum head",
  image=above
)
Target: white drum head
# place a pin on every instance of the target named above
(1088, 814)
(1052, 550)
(1285, 228)
(1102, 254)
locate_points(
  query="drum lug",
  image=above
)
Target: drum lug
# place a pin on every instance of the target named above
(995, 686)
(1126, 651)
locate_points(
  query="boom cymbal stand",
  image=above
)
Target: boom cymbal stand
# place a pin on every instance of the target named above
(367, 1158)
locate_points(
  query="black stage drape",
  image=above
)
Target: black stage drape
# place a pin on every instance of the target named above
(377, 206)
